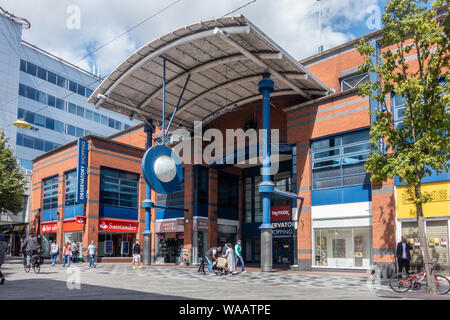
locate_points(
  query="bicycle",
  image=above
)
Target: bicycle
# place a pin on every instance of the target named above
(35, 263)
(402, 282)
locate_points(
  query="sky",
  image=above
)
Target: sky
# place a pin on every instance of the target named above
(77, 30)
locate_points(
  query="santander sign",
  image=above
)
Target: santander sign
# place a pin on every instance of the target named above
(117, 225)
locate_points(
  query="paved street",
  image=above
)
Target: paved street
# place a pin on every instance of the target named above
(119, 281)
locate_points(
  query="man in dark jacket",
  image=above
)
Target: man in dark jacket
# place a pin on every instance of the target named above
(30, 247)
(210, 256)
(403, 255)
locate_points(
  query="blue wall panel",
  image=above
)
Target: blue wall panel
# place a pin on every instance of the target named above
(200, 210)
(116, 212)
(341, 195)
(73, 211)
(49, 215)
(169, 213)
(227, 213)
(445, 176)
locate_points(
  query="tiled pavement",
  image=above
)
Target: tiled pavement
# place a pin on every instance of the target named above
(120, 281)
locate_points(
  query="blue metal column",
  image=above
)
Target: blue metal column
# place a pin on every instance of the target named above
(266, 187)
(147, 203)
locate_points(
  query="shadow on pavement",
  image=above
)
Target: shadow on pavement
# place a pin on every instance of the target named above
(45, 289)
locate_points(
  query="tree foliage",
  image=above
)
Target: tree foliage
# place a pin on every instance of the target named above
(12, 180)
(413, 65)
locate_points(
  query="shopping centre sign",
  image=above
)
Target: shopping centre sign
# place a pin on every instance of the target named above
(82, 170)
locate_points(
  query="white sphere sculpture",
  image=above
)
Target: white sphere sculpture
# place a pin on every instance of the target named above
(165, 169)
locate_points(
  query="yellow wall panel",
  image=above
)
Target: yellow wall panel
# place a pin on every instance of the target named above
(438, 207)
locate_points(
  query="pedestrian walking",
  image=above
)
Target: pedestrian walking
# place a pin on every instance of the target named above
(403, 255)
(67, 253)
(238, 256)
(54, 251)
(136, 255)
(229, 255)
(3, 248)
(91, 252)
(74, 252)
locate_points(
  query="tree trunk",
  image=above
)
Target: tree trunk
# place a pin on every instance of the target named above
(431, 284)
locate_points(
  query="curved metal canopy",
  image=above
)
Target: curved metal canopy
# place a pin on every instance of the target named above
(224, 60)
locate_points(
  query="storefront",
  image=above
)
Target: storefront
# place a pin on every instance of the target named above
(48, 236)
(437, 214)
(73, 231)
(342, 236)
(200, 238)
(282, 233)
(169, 240)
(227, 232)
(116, 237)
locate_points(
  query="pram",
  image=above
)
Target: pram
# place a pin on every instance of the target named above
(220, 266)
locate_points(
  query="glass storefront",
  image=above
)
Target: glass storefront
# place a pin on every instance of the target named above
(115, 244)
(169, 247)
(342, 247)
(46, 241)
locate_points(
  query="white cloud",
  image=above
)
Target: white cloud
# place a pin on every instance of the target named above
(291, 23)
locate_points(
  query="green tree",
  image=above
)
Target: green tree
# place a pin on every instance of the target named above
(12, 180)
(413, 67)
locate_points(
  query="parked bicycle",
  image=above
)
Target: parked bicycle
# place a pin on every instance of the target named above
(402, 282)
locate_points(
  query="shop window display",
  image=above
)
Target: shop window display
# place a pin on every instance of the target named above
(342, 247)
(115, 244)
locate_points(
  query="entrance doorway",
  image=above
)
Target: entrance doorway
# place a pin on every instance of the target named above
(282, 250)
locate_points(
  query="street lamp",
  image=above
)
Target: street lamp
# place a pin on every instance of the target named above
(21, 123)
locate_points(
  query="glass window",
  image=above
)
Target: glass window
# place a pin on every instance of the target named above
(353, 81)
(72, 108)
(42, 97)
(118, 125)
(30, 93)
(42, 73)
(60, 81)
(118, 188)
(59, 126)
(202, 184)
(60, 104)
(359, 136)
(88, 92)
(111, 123)
(51, 77)
(72, 86)
(39, 120)
(19, 139)
(70, 130)
(79, 132)
(104, 120)
(22, 90)
(29, 117)
(326, 143)
(31, 69)
(28, 142)
(88, 114)
(125, 126)
(81, 90)
(51, 100)
(96, 117)
(343, 163)
(38, 144)
(48, 146)
(50, 193)
(20, 113)
(50, 123)
(23, 65)
(70, 188)
(80, 111)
